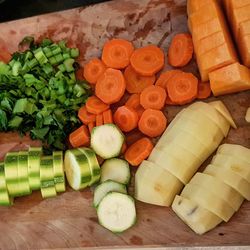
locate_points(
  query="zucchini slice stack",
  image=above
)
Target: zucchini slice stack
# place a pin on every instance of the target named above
(216, 194)
(24, 171)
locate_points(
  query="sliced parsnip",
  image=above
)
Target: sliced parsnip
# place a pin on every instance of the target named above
(155, 185)
(225, 192)
(231, 179)
(221, 108)
(234, 163)
(198, 218)
(235, 150)
(205, 198)
(213, 115)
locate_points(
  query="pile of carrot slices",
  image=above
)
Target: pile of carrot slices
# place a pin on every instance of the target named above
(124, 72)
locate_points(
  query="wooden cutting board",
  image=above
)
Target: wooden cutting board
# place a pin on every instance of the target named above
(69, 220)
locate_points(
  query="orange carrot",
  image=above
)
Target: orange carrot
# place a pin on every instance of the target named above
(148, 60)
(204, 90)
(181, 49)
(99, 120)
(95, 106)
(79, 74)
(124, 148)
(126, 118)
(153, 97)
(107, 116)
(164, 77)
(85, 116)
(135, 83)
(139, 110)
(116, 53)
(5, 56)
(91, 125)
(110, 86)
(79, 137)
(133, 101)
(182, 88)
(152, 122)
(169, 102)
(93, 70)
(139, 151)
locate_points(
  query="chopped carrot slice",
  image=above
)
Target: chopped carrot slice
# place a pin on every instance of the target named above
(107, 116)
(124, 148)
(148, 60)
(133, 101)
(110, 87)
(93, 70)
(204, 90)
(180, 50)
(152, 122)
(5, 56)
(135, 82)
(79, 137)
(96, 106)
(116, 53)
(169, 102)
(79, 74)
(85, 116)
(99, 120)
(126, 118)
(165, 76)
(153, 97)
(139, 110)
(91, 125)
(139, 151)
(182, 88)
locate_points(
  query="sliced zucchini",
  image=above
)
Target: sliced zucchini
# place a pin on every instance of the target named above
(34, 167)
(59, 177)
(116, 170)
(93, 163)
(77, 169)
(11, 173)
(106, 187)
(23, 176)
(107, 140)
(47, 177)
(5, 199)
(117, 212)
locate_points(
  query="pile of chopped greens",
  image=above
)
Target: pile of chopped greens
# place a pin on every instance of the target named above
(39, 92)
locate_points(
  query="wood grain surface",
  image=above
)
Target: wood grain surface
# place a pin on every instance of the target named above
(69, 220)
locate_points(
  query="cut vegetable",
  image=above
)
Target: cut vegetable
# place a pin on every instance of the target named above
(99, 120)
(85, 116)
(199, 219)
(95, 106)
(135, 82)
(182, 88)
(220, 107)
(133, 101)
(181, 49)
(48, 188)
(11, 173)
(5, 199)
(155, 185)
(93, 164)
(152, 123)
(138, 151)
(58, 166)
(107, 140)
(79, 137)
(205, 198)
(23, 176)
(116, 212)
(148, 60)
(219, 188)
(230, 178)
(110, 86)
(204, 90)
(116, 170)
(91, 125)
(126, 118)
(116, 53)
(153, 97)
(107, 116)
(164, 77)
(34, 167)
(247, 116)
(93, 70)
(104, 188)
(77, 169)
